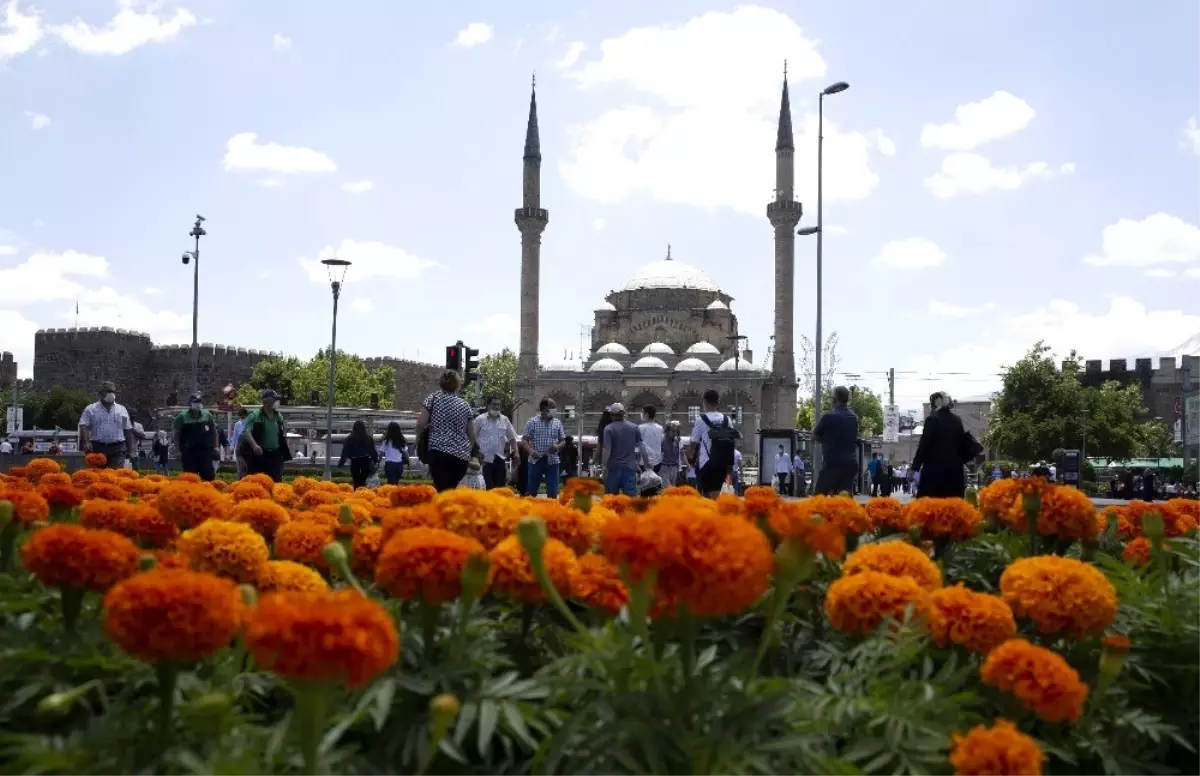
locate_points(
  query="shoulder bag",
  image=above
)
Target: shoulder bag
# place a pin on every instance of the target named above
(423, 439)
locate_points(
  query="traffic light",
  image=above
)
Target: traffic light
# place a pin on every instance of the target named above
(454, 357)
(472, 365)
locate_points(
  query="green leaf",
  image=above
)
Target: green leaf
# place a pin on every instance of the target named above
(488, 714)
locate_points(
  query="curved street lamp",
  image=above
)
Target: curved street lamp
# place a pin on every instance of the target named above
(336, 269)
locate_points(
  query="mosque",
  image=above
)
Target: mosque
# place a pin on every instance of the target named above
(669, 333)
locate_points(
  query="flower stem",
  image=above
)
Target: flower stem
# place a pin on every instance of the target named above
(308, 722)
(72, 602)
(430, 615)
(794, 563)
(168, 678)
(9, 528)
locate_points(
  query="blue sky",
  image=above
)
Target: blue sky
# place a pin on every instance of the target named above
(996, 174)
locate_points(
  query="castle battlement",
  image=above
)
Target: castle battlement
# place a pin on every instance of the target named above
(93, 332)
(1168, 370)
(396, 363)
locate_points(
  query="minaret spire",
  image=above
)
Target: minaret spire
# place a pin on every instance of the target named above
(533, 143)
(531, 219)
(784, 214)
(783, 139)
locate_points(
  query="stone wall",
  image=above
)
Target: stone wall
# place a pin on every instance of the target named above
(8, 370)
(1160, 386)
(678, 317)
(414, 380)
(219, 365)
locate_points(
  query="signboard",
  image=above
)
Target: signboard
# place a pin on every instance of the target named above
(15, 419)
(907, 422)
(1178, 431)
(891, 423)
(1192, 409)
(1069, 470)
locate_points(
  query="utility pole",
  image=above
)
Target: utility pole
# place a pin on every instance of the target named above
(892, 386)
(1185, 388)
(193, 256)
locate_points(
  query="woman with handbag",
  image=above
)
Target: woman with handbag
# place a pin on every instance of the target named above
(944, 447)
(359, 449)
(446, 433)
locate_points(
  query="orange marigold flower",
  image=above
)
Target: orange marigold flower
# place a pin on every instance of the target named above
(582, 486)
(55, 478)
(481, 515)
(327, 519)
(1068, 513)
(1001, 498)
(261, 480)
(512, 576)
(303, 485)
(68, 556)
(617, 502)
(425, 564)
(1116, 642)
(569, 526)
(842, 511)
(191, 477)
(681, 490)
(899, 559)
(85, 477)
(247, 489)
(364, 551)
(421, 515)
(725, 568)
(17, 472)
(1137, 551)
(1000, 750)
(104, 515)
(412, 495)
(29, 506)
(147, 527)
(974, 621)
(597, 583)
(107, 491)
(95, 460)
(1061, 595)
(41, 466)
(731, 506)
(285, 495)
(792, 521)
(168, 559)
(641, 544)
(263, 515)
(339, 636)
(759, 500)
(173, 615)
(886, 512)
(188, 504)
(943, 518)
(226, 549)
(278, 576)
(1180, 516)
(503, 491)
(302, 542)
(316, 497)
(858, 604)
(1040, 679)
(360, 516)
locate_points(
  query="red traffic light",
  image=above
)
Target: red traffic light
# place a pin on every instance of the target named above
(452, 352)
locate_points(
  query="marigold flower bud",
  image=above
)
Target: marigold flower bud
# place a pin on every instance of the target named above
(1153, 526)
(248, 594)
(475, 576)
(334, 554)
(6, 513)
(445, 707)
(532, 533)
(147, 562)
(54, 707)
(345, 514)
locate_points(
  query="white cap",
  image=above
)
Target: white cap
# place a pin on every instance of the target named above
(617, 409)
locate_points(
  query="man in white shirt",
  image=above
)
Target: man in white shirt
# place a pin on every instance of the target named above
(798, 483)
(652, 438)
(5, 447)
(105, 427)
(497, 439)
(783, 468)
(712, 447)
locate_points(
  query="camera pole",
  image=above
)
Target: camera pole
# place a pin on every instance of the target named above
(197, 232)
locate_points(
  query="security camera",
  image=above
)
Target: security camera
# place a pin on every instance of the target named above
(187, 256)
(200, 217)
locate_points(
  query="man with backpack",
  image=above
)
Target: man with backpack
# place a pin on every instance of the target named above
(713, 444)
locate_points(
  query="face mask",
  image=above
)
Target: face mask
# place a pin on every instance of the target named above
(271, 404)
(493, 413)
(109, 397)
(197, 406)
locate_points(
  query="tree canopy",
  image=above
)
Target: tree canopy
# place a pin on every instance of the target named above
(57, 408)
(865, 403)
(295, 380)
(498, 377)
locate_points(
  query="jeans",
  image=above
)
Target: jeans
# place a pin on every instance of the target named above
(495, 473)
(539, 469)
(669, 474)
(782, 478)
(620, 481)
(393, 471)
(836, 479)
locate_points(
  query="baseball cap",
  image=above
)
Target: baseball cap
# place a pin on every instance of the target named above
(269, 394)
(617, 408)
(193, 396)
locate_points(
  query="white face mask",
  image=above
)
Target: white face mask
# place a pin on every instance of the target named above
(197, 406)
(109, 397)
(493, 413)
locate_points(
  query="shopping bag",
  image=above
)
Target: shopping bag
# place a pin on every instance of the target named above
(373, 480)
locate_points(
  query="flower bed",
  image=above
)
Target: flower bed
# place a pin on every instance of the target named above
(169, 626)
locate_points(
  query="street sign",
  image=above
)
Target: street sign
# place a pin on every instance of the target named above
(891, 423)
(14, 418)
(1192, 408)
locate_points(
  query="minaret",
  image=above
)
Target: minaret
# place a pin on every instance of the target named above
(531, 219)
(784, 214)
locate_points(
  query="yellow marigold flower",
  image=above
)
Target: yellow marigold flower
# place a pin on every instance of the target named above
(284, 495)
(886, 512)
(226, 549)
(68, 556)
(411, 495)
(1061, 595)
(842, 511)
(1000, 750)
(29, 506)
(858, 604)
(1137, 551)
(188, 504)
(106, 491)
(263, 515)
(481, 515)
(95, 460)
(365, 548)
(278, 576)
(974, 621)
(899, 559)
(247, 489)
(104, 515)
(339, 636)
(943, 518)
(173, 615)
(1040, 679)
(425, 515)
(597, 583)
(302, 542)
(425, 564)
(41, 466)
(820, 534)
(512, 576)
(569, 526)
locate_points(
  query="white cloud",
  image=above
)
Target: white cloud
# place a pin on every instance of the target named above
(362, 305)
(936, 309)
(19, 32)
(152, 291)
(270, 183)
(358, 187)
(1159, 273)
(126, 31)
(520, 44)
(911, 253)
(1194, 272)
(243, 152)
(574, 51)
(105, 306)
(708, 92)
(8, 250)
(473, 34)
(37, 120)
(368, 259)
(598, 224)
(973, 174)
(47, 276)
(1191, 135)
(496, 326)
(16, 336)
(281, 42)
(975, 123)
(1156, 239)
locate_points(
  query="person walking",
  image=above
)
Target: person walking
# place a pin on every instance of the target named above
(837, 432)
(497, 441)
(799, 486)
(783, 469)
(652, 437)
(713, 446)
(447, 431)
(623, 452)
(542, 439)
(569, 459)
(161, 448)
(395, 453)
(672, 455)
(944, 447)
(196, 439)
(238, 428)
(263, 442)
(360, 450)
(105, 427)
(874, 467)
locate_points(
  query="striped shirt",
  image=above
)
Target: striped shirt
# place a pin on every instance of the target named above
(106, 425)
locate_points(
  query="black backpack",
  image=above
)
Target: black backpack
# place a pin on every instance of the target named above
(721, 442)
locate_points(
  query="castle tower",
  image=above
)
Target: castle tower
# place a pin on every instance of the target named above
(531, 219)
(784, 213)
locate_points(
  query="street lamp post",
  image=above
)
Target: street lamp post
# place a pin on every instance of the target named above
(337, 273)
(194, 257)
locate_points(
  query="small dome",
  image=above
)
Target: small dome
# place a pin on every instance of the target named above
(704, 348)
(606, 306)
(717, 304)
(740, 365)
(563, 366)
(692, 365)
(614, 347)
(650, 362)
(607, 365)
(661, 348)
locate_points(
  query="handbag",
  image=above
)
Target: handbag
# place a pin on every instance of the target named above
(423, 439)
(969, 446)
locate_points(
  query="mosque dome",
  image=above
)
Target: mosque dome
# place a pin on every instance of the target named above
(650, 362)
(704, 349)
(660, 348)
(669, 273)
(563, 366)
(607, 365)
(613, 347)
(692, 365)
(739, 365)
(606, 306)
(717, 304)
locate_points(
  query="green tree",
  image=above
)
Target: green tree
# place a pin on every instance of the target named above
(1158, 441)
(498, 377)
(1112, 421)
(291, 377)
(57, 408)
(867, 405)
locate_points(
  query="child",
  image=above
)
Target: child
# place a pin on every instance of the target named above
(474, 475)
